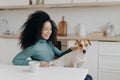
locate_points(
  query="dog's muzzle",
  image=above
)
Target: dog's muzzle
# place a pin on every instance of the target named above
(84, 51)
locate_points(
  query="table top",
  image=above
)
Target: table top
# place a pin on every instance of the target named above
(12, 72)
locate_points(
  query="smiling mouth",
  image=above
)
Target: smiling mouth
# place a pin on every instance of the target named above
(47, 36)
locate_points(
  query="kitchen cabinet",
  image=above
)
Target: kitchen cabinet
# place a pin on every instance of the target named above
(108, 0)
(8, 49)
(92, 58)
(83, 1)
(24, 4)
(13, 2)
(57, 1)
(109, 61)
(2, 50)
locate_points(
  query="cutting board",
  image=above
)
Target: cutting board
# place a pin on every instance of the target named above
(30, 2)
(62, 27)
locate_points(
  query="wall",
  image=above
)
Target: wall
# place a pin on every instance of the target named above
(94, 17)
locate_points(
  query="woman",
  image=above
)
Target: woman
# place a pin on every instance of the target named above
(38, 40)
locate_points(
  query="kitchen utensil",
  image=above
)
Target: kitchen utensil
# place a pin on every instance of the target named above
(62, 27)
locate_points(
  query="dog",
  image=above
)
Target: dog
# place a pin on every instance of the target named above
(75, 58)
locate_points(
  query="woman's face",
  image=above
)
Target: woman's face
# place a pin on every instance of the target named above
(47, 30)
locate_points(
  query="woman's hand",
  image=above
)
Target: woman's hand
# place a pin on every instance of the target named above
(74, 48)
(44, 64)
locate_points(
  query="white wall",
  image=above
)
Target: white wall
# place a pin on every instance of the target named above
(94, 17)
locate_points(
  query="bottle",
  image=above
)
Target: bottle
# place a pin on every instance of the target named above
(110, 30)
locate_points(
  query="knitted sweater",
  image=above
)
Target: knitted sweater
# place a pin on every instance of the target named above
(41, 51)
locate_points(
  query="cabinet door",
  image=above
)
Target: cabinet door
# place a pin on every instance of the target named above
(9, 49)
(13, 2)
(109, 60)
(108, 0)
(83, 1)
(109, 75)
(109, 48)
(57, 1)
(12, 48)
(2, 50)
(92, 58)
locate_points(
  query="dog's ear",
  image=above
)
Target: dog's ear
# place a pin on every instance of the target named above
(89, 42)
(76, 42)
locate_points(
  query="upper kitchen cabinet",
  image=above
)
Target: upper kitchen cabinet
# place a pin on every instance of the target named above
(24, 4)
(108, 0)
(57, 1)
(83, 1)
(13, 2)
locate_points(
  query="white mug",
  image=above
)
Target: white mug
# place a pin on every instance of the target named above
(34, 66)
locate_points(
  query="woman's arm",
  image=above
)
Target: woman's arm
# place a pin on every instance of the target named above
(22, 57)
(59, 53)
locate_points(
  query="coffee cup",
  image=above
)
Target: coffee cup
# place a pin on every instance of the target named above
(34, 66)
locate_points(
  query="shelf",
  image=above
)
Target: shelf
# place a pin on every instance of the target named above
(70, 37)
(74, 37)
(90, 4)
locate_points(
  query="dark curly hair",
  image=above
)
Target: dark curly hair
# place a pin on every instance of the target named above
(32, 29)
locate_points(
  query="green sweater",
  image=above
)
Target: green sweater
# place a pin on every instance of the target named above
(41, 51)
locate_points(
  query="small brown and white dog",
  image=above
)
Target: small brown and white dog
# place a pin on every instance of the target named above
(75, 58)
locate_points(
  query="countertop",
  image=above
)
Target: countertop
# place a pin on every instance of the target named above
(12, 72)
(71, 37)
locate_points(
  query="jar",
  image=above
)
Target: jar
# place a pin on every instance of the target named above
(82, 30)
(110, 30)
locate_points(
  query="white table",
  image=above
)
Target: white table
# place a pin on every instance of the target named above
(12, 72)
